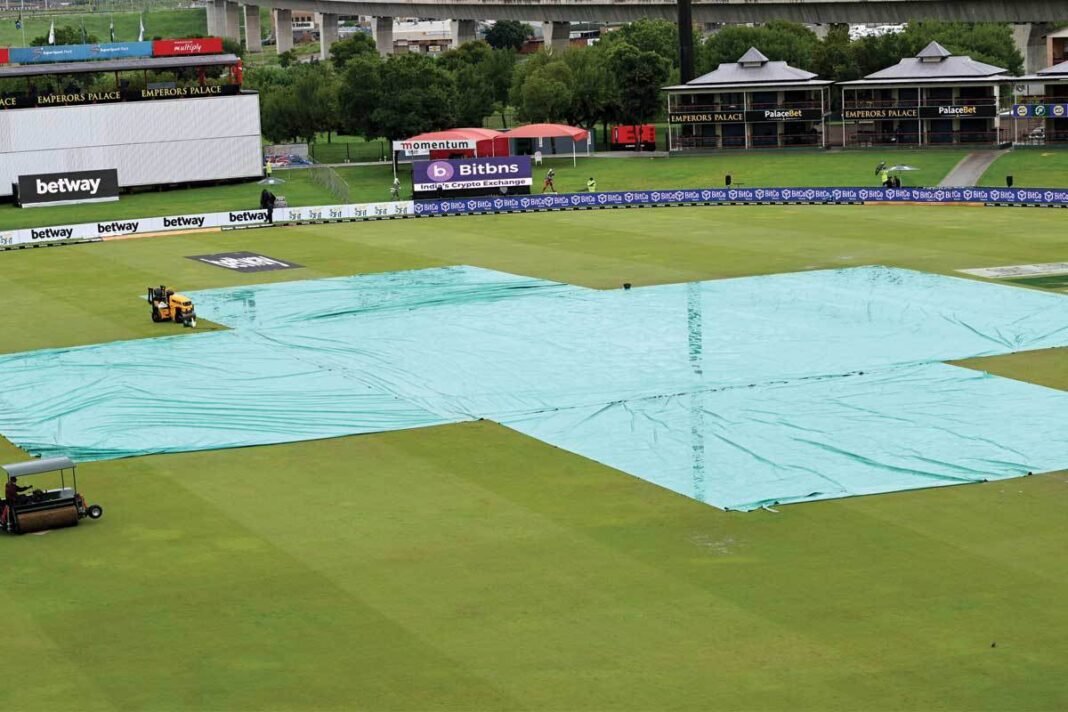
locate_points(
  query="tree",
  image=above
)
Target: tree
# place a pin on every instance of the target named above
(474, 96)
(65, 35)
(834, 58)
(358, 94)
(546, 93)
(343, 51)
(287, 58)
(302, 108)
(779, 41)
(592, 95)
(483, 76)
(232, 46)
(398, 97)
(989, 42)
(659, 36)
(638, 76)
(509, 34)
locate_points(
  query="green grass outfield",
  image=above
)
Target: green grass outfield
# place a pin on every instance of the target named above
(371, 183)
(468, 567)
(158, 23)
(1036, 167)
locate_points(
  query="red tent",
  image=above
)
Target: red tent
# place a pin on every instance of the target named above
(554, 131)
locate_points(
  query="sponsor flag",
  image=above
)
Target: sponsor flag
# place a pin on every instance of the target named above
(84, 38)
(111, 30)
(52, 33)
(141, 32)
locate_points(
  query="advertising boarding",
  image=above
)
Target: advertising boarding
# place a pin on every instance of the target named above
(65, 188)
(187, 47)
(79, 52)
(472, 176)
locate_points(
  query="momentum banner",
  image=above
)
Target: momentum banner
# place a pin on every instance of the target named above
(423, 148)
(471, 173)
(79, 53)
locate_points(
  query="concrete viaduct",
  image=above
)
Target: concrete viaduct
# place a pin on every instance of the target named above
(1029, 16)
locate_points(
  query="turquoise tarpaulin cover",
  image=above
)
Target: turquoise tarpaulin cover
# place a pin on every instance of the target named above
(738, 392)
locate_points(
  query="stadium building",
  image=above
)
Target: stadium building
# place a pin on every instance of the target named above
(934, 98)
(751, 103)
(159, 113)
(1044, 116)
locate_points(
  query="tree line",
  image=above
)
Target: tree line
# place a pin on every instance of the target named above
(617, 80)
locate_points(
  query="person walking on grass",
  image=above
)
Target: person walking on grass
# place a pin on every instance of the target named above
(591, 185)
(394, 191)
(548, 184)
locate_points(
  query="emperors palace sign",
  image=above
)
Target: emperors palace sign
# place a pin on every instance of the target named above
(744, 117)
(984, 111)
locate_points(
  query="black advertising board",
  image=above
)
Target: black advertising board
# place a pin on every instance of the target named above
(753, 116)
(983, 111)
(115, 96)
(70, 187)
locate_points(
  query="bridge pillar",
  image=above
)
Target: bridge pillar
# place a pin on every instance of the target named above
(1030, 41)
(557, 36)
(464, 31)
(253, 36)
(382, 29)
(218, 17)
(327, 34)
(283, 30)
(232, 12)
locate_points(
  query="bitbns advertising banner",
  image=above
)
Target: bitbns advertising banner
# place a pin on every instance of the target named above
(72, 187)
(471, 173)
(181, 48)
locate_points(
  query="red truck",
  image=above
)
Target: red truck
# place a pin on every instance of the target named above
(626, 138)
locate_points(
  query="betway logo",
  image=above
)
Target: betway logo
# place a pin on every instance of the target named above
(66, 185)
(183, 222)
(248, 216)
(105, 228)
(240, 263)
(51, 233)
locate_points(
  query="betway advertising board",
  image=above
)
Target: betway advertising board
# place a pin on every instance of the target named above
(67, 188)
(471, 174)
(230, 219)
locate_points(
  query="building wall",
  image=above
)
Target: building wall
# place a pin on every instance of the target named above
(148, 142)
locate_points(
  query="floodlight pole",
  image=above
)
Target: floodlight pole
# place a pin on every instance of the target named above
(686, 70)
